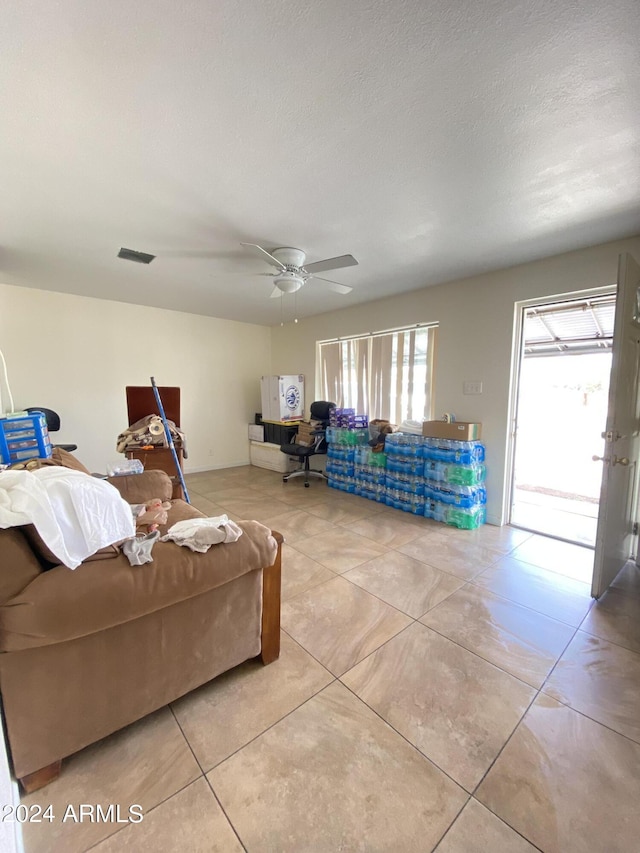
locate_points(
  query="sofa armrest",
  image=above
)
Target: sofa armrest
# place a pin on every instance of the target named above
(271, 605)
(138, 488)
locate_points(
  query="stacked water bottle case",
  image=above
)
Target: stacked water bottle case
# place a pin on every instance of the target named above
(454, 475)
(439, 478)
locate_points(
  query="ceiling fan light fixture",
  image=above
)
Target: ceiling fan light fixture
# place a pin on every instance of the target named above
(288, 282)
(292, 272)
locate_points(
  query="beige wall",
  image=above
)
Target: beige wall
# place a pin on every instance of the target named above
(76, 355)
(476, 318)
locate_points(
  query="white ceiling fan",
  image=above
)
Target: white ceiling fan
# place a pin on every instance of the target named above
(292, 273)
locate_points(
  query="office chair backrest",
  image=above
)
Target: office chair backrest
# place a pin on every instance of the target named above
(320, 410)
(53, 425)
(52, 418)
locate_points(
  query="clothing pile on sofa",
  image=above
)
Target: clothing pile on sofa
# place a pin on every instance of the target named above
(75, 514)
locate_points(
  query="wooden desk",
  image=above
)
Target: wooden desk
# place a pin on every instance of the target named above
(141, 401)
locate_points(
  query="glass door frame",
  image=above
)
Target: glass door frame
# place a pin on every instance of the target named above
(517, 355)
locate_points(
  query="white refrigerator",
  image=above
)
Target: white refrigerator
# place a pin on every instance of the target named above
(282, 397)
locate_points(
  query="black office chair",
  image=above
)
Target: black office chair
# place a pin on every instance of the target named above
(319, 412)
(53, 425)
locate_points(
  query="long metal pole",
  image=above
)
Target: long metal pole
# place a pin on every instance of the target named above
(169, 438)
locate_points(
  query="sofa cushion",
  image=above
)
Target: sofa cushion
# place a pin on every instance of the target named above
(61, 605)
(138, 488)
(19, 564)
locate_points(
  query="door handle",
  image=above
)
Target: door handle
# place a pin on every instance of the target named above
(617, 460)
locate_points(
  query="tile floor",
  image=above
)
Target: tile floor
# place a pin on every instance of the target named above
(437, 690)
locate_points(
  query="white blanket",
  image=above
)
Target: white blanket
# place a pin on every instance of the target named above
(74, 513)
(200, 534)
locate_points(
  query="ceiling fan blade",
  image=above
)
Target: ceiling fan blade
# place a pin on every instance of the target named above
(276, 292)
(264, 255)
(334, 285)
(332, 264)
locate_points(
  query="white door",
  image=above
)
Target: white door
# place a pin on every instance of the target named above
(615, 537)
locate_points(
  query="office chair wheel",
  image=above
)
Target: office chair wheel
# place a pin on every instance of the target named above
(306, 485)
(284, 479)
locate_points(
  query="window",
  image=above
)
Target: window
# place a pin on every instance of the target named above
(567, 328)
(385, 375)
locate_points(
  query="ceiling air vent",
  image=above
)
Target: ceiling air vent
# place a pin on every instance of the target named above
(138, 257)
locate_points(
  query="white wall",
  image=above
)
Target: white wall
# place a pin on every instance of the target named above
(75, 355)
(476, 317)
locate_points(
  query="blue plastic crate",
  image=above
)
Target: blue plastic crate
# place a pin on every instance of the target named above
(24, 437)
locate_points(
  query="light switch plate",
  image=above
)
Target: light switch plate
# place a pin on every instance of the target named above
(472, 386)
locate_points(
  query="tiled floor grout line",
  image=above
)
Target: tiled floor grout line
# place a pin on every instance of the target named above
(307, 652)
(439, 841)
(546, 568)
(521, 720)
(404, 738)
(525, 606)
(203, 774)
(360, 699)
(478, 655)
(502, 820)
(611, 642)
(153, 808)
(224, 812)
(429, 627)
(272, 725)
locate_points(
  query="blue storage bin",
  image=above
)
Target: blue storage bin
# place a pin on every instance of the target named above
(24, 437)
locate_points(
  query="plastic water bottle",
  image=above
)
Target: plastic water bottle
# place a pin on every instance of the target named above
(465, 475)
(468, 519)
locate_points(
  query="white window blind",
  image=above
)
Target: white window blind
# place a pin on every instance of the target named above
(384, 375)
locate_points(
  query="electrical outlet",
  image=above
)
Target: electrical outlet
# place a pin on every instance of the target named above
(472, 386)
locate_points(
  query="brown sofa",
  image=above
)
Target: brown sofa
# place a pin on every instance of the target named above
(84, 653)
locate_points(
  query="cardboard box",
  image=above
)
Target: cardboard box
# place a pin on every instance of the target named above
(304, 436)
(282, 397)
(458, 430)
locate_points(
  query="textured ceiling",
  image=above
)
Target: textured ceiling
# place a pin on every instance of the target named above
(430, 140)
